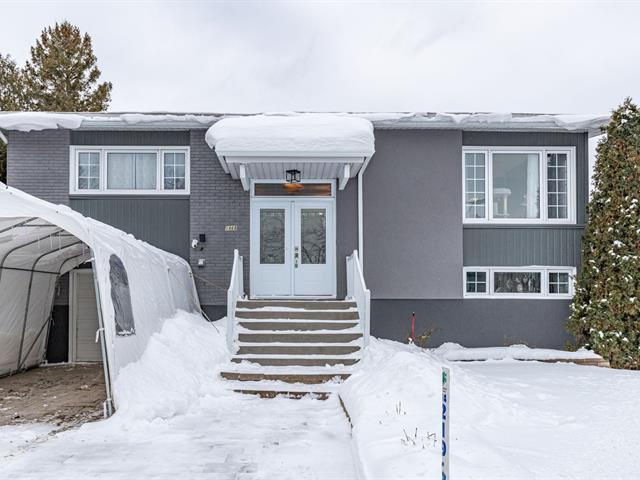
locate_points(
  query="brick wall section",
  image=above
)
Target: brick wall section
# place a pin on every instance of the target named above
(216, 201)
(38, 163)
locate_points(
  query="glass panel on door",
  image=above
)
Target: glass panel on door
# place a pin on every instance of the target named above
(313, 236)
(272, 236)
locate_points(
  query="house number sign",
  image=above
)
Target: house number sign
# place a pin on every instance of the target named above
(231, 228)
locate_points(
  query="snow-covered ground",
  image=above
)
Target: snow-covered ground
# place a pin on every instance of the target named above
(509, 419)
(180, 420)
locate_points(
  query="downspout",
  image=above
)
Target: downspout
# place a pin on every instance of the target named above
(361, 211)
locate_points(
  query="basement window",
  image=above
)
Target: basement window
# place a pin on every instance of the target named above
(518, 282)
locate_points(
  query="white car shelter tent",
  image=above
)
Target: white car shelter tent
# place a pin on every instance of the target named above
(138, 286)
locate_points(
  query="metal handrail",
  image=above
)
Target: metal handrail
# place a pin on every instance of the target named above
(235, 291)
(357, 290)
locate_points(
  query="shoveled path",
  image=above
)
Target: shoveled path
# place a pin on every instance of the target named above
(232, 436)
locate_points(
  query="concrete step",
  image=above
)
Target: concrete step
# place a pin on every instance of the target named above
(305, 378)
(297, 349)
(298, 314)
(295, 361)
(271, 389)
(283, 393)
(302, 326)
(302, 304)
(298, 337)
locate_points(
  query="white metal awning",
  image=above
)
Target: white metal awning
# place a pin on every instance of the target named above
(274, 168)
(320, 146)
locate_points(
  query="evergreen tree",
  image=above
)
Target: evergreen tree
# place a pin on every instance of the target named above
(11, 98)
(62, 74)
(605, 312)
(11, 87)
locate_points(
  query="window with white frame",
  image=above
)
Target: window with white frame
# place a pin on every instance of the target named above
(88, 170)
(118, 170)
(174, 172)
(519, 282)
(519, 185)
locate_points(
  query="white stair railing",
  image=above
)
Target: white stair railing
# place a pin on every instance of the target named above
(235, 292)
(357, 291)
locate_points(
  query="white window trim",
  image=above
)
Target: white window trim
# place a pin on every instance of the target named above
(488, 186)
(75, 150)
(543, 270)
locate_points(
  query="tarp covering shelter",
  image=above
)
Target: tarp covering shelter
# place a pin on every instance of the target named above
(138, 286)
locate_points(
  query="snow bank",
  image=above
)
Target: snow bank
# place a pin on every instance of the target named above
(179, 366)
(311, 133)
(508, 419)
(455, 352)
(394, 402)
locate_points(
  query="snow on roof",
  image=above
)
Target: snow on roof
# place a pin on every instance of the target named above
(293, 133)
(28, 121)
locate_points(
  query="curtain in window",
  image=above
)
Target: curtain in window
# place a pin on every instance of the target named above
(131, 171)
(533, 186)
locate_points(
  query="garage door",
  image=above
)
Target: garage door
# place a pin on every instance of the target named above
(83, 317)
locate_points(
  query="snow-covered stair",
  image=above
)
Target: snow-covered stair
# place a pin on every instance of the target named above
(294, 348)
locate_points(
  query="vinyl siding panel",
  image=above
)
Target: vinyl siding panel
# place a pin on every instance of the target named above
(170, 138)
(163, 222)
(520, 246)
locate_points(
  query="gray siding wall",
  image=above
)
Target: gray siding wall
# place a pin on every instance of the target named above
(519, 246)
(38, 163)
(412, 215)
(170, 138)
(160, 221)
(475, 322)
(216, 201)
(346, 231)
(516, 245)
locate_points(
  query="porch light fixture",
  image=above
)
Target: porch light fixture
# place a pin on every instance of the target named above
(293, 176)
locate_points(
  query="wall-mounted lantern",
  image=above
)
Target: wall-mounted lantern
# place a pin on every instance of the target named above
(293, 176)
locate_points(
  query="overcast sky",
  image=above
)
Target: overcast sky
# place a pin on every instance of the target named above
(578, 57)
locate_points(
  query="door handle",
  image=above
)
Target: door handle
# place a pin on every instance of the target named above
(296, 256)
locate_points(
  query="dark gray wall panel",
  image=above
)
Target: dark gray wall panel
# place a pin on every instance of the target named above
(217, 200)
(412, 215)
(475, 323)
(161, 221)
(131, 138)
(544, 139)
(518, 246)
(38, 163)
(346, 231)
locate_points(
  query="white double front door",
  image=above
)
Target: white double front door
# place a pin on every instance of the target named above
(293, 247)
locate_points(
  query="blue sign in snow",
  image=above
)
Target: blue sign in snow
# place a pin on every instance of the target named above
(445, 423)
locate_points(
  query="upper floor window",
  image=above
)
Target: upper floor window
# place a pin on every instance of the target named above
(129, 170)
(519, 185)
